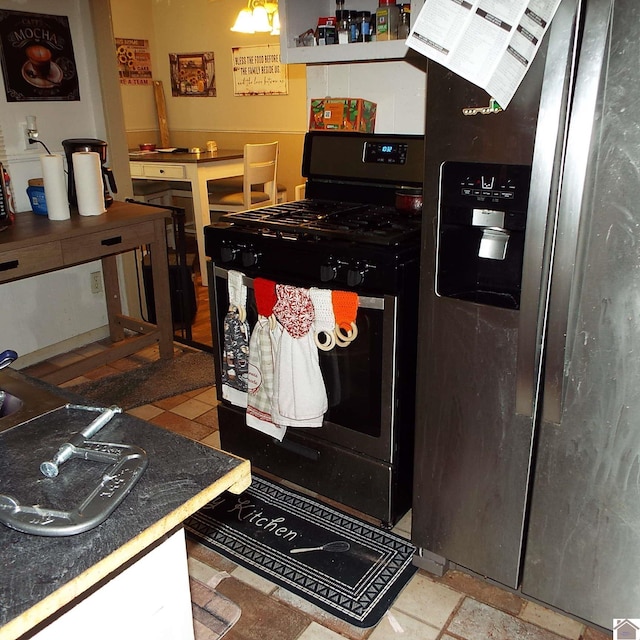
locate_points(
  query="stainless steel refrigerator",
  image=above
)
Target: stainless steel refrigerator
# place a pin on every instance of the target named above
(527, 466)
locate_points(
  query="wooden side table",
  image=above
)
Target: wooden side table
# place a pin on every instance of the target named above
(36, 245)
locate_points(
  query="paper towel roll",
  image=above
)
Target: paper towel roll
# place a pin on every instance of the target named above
(55, 188)
(87, 173)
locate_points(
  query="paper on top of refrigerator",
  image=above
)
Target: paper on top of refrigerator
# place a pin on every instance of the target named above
(491, 43)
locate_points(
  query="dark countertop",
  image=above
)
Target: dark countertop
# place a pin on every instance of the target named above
(41, 574)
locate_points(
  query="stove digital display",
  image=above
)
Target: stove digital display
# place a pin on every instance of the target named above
(385, 152)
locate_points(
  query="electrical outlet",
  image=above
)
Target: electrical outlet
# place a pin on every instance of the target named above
(28, 146)
(96, 282)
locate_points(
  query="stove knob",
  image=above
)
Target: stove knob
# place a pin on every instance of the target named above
(249, 258)
(328, 272)
(228, 254)
(355, 276)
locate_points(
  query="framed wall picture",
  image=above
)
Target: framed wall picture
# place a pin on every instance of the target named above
(193, 74)
(37, 57)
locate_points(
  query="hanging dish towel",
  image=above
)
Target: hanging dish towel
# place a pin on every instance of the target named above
(345, 309)
(300, 391)
(324, 336)
(324, 321)
(261, 363)
(235, 352)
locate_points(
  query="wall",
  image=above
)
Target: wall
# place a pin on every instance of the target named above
(53, 308)
(183, 26)
(398, 87)
(188, 26)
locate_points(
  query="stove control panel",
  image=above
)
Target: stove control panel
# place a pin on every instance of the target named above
(248, 255)
(386, 152)
(353, 272)
(309, 261)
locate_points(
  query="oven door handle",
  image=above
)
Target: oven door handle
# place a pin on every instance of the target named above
(366, 302)
(298, 449)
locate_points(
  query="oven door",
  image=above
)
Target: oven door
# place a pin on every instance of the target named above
(360, 379)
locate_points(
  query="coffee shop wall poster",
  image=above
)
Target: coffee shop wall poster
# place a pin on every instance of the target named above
(37, 57)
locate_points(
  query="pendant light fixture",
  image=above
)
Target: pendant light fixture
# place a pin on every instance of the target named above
(260, 16)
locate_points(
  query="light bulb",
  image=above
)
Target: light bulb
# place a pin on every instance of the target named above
(275, 21)
(244, 22)
(261, 20)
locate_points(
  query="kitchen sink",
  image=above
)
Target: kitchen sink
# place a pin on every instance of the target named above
(24, 399)
(10, 403)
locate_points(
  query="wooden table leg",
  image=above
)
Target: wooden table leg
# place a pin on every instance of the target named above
(161, 289)
(112, 296)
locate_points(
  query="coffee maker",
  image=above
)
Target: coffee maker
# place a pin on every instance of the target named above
(74, 145)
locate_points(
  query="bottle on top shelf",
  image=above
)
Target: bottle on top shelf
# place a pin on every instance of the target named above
(387, 20)
(405, 22)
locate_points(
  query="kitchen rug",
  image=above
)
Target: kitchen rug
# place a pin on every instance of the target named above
(340, 563)
(151, 382)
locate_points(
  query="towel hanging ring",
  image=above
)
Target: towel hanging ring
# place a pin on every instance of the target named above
(348, 336)
(329, 340)
(241, 311)
(341, 343)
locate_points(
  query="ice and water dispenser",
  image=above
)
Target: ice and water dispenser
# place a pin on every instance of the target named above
(481, 228)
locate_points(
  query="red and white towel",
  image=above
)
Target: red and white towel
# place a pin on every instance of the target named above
(262, 362)
(300, 397)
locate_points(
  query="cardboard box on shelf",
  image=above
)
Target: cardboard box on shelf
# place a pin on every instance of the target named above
(343, 114)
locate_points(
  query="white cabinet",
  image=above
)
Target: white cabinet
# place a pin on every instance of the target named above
(150, 598)
(297, 16)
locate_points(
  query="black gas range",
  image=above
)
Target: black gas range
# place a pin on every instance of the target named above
(347, 229)
(345, 235)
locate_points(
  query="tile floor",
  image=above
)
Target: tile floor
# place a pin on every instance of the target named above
(454, 607)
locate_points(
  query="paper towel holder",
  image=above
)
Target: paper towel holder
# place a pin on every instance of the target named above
(73, 145)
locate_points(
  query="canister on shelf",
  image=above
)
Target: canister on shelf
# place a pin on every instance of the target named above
(405, 22)
(387, 19)
(364, 18)
(327, 33)
(354, 29)
(372, 27)
(342, 20)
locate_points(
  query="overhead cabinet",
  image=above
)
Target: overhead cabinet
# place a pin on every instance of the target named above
(298, 16)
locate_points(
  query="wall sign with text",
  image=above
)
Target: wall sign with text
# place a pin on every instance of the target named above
(37, 57)
(134, 61)
(258, 71)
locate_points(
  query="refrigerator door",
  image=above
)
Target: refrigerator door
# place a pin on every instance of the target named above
(583, 549)
(473, 443)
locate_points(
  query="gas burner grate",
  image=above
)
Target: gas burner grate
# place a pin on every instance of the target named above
(296, 212)
(332, 219)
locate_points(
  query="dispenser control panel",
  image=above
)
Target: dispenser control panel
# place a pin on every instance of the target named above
(472, 187)
(487, 183)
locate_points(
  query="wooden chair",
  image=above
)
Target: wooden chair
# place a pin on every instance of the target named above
(259, 186)
(230, 185)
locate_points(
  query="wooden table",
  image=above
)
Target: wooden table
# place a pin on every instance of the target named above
(36, 245)
(196, 168)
